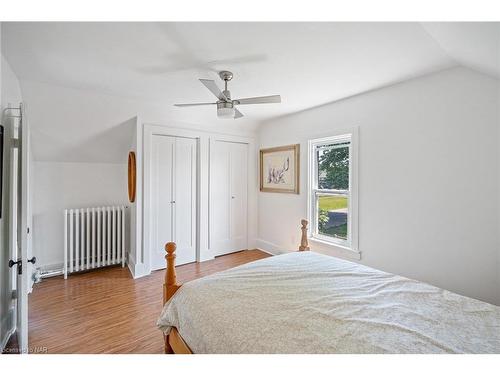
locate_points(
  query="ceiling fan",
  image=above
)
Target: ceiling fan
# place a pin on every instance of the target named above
(226, 107)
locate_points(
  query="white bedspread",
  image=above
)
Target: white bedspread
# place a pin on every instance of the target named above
(305, 302)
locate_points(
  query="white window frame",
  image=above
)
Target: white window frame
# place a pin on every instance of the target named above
(351, 244)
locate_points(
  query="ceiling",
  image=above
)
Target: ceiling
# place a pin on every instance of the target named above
(471, 44)
(309, 64)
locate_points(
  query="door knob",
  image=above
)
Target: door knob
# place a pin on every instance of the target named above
(232, 197)
(32, 260)
(12, 263)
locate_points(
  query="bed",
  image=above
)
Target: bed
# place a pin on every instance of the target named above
(304, 302)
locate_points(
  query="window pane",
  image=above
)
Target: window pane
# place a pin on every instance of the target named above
(333, 166)
(332, 216)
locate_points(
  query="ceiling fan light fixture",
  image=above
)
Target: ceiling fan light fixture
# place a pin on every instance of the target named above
(225, 110)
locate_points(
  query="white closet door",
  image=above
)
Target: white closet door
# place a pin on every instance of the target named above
(162, 154)
(238, 182)
(228, 203)
(184, 224)
(220, 204)
(173, 198)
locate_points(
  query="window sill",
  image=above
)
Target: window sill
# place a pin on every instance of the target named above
(341, 251)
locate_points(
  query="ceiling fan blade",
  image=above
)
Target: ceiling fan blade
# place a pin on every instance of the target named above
(192, 104)
(260, 100)
(210, 84)
(237, 114)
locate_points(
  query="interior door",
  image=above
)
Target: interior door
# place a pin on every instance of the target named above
(228, 204)
(184, 198)
(239, 200)
(162, 154)
(220, 205)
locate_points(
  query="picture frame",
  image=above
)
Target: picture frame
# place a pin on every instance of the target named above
(280, 169)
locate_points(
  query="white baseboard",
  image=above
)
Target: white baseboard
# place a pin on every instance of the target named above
(205, 254)
(51, 266)
(131, 264)
(31, 283)
(137, 270)
(7, 321)
(131, 268)
(269, 247)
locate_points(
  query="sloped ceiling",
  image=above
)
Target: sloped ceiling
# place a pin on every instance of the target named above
(144, 68)
(471, 44)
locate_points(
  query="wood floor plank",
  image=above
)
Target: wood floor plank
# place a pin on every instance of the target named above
(107, 311)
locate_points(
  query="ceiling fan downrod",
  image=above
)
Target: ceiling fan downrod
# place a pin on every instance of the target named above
(226, 76)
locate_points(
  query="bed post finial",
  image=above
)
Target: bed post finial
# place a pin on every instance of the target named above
(304, 245)
(170, 286)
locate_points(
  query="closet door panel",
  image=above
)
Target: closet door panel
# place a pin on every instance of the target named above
(238, 181)
(184, 224)
(220, 205)
(228, 191)
(162, 153)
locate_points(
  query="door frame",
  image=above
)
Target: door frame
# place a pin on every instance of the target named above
(18, 141)
(230, 139)
(11, 177)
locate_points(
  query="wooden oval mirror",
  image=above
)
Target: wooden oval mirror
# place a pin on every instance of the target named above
(131, 176)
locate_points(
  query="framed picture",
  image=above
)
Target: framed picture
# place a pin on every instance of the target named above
(279, 169)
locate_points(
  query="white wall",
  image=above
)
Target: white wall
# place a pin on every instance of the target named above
(428, 179)
(136, 261)
(10, 92)
(70, 185)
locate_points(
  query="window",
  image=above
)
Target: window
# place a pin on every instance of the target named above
(332, 187)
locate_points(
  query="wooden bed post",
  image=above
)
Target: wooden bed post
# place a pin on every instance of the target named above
(170, 285)
(304, 245)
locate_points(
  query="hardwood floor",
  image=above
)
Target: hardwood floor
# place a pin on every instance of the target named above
(106, 311)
